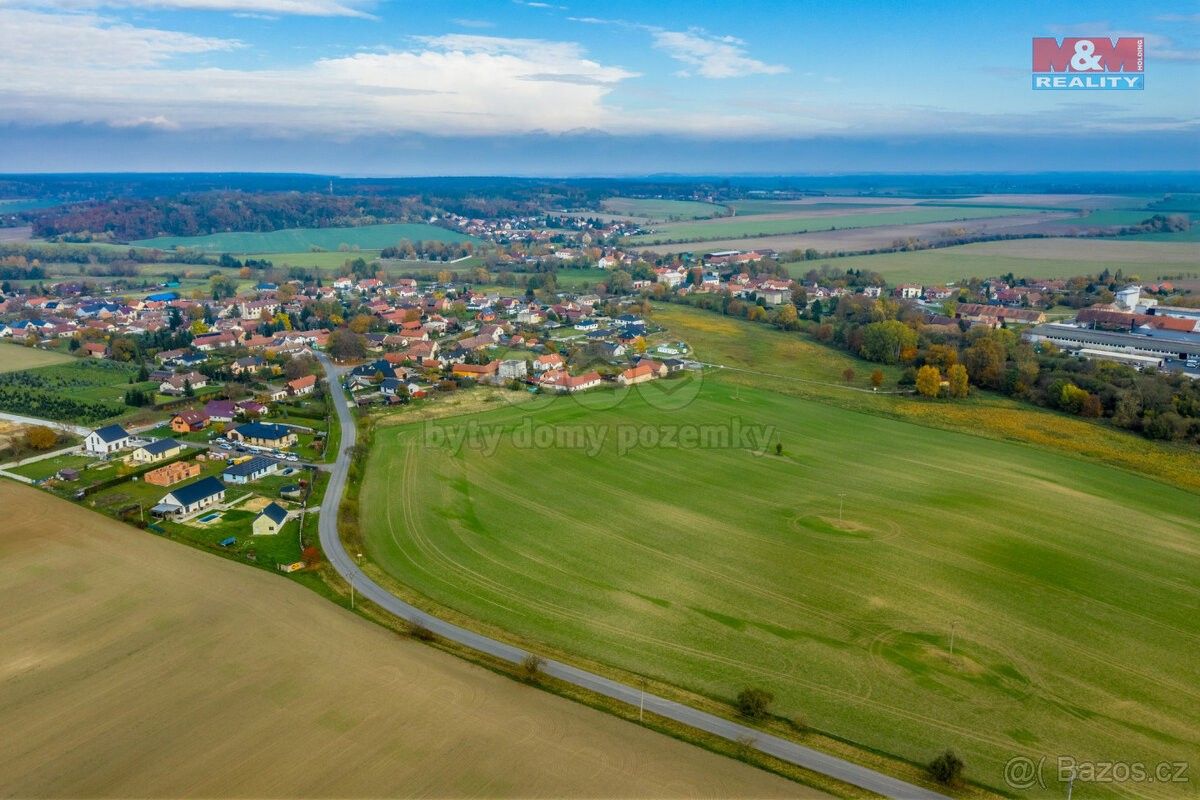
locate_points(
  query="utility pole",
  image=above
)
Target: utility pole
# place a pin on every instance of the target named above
(953, 625)
(841, 504)
(1071, 784)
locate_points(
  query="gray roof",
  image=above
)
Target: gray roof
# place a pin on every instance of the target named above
(1161, 342)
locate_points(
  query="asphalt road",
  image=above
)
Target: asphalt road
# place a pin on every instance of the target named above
(347, 567)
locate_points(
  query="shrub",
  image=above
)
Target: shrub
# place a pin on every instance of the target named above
(947, 768)
(754, 703)
(531, 666)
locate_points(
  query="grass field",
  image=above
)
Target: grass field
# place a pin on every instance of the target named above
(79, 390)
(367, 237)
(1069, 586)
(749, 208)
(1034, 258)
(803, 221)
(15, 357)
(657, 208)
(796, 365)
(137, 668)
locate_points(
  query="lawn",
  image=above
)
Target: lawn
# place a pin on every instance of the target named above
(48, 467)
(802, 221)
(657, 208)
(14, 356)
(1033, 258)
(366, 237)
(833, 575)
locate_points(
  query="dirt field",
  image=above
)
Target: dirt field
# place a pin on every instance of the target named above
(858, 239)
(135, 667)
(17, 356)
(16, 234)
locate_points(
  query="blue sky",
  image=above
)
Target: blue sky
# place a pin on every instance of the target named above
(520, 86)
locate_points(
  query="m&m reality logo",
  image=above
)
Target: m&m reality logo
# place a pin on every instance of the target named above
(1094, 62)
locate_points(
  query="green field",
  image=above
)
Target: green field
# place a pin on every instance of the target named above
(83, 390)
(730, 228)
(367, 237)
(1069, 586)
(657, 208)
(1034, 258)
(14, 356)
(749, 208)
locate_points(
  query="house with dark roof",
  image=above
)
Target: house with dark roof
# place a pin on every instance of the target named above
(106, 440)
(158, 450)
(250, 470)
(264, 434)
(220, 410)
(270, 520)
(190, 499)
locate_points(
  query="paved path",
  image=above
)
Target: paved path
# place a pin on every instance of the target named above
(76, 429)
(347, 567)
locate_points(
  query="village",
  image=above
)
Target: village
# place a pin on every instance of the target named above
(233, 425)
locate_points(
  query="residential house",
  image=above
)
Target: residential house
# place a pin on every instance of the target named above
(302, 386)
(270, 520)
(643, 372)
(478, 372)
(158, 450)
(560, 381)
(548, 361)
(250, 470)
(190, 499)
(263, 434)
(250, 408)
(177, 384)
(220, 410)
(249, 364)
(512, 369)
(106, 440)
(189, 421)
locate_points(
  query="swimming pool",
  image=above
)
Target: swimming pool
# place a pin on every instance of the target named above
(207, 518)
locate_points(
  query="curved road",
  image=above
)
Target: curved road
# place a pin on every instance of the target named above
(781, 748)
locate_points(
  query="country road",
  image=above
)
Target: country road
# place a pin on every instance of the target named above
(348, 568)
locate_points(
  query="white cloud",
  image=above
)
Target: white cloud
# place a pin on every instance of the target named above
(84, 41)
(707, 55)
(83, 68)
(308, 8)
(712, 56)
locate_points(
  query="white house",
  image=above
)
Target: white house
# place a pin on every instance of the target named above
(190, 499)
(106, 440)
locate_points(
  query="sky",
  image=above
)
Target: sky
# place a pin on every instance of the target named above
(418, 87)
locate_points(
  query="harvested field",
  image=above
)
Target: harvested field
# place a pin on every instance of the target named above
(1032, 258)
(134, 667)
(14, 357)
(16, 234)
(852, 240)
